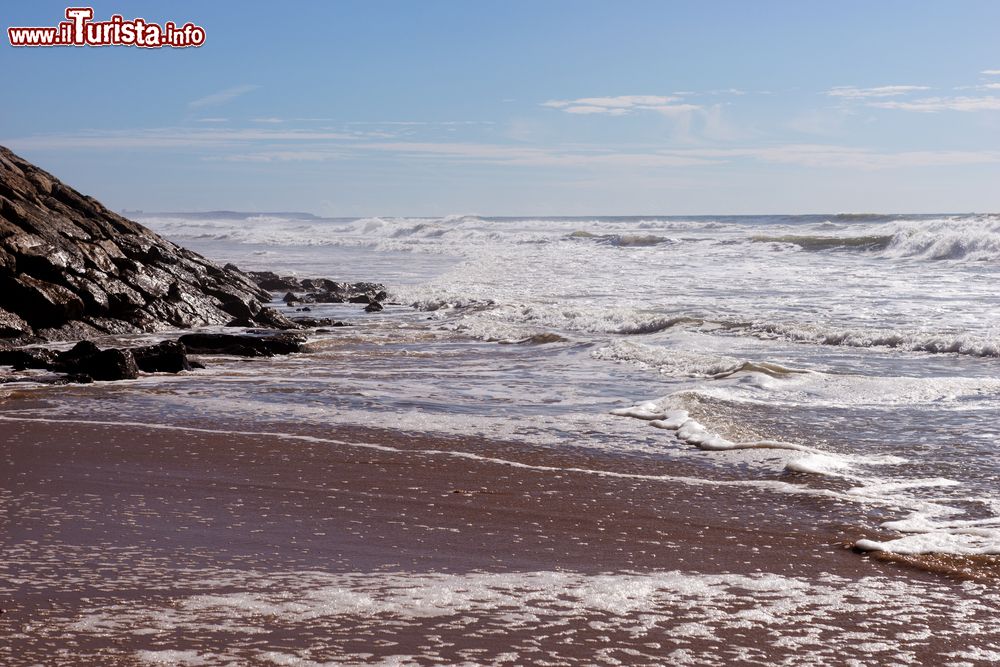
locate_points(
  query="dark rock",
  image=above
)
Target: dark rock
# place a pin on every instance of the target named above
(290, 298)
(374, 307)
(29, 357)
(40, 303)
(327, 297)
(84, 348)
(70, 267)
(360, 298)
(110, 364)
(272, 282)
(170, 356)
(13, 326)
(243, 345)
(319, 322)
(321, 285)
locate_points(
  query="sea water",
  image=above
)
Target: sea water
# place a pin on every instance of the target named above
(860, 348)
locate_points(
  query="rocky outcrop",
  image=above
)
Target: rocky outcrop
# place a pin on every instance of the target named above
(319, 290)
(86, 362)
(72, 269)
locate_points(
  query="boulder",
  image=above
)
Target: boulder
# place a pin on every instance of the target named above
(85, 358)
(243, 345)
(170, 356)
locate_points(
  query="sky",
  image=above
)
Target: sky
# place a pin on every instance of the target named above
(511, 107)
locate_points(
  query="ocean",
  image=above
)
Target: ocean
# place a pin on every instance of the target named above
(839, 375)
(857, 354)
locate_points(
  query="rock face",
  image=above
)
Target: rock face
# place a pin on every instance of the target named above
(72, 269)
(318, 290)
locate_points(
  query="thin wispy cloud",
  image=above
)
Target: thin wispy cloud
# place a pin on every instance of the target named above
(991, 72)
(939, 104)
(221, 97)
(297, 145)
(168, 138)
(622, 105)
(855, 93)
(818, 156)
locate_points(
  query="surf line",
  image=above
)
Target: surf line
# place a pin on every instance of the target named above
(772, 485)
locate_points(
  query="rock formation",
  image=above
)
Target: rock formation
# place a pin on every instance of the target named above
(71, 269)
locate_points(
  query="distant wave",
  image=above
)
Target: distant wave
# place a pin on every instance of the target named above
(968, 238)
(817, 243)
(913, 342)
(623, 240)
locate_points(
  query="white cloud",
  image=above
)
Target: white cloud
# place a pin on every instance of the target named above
(589, 109)
(991, 72)
(937, 104)
(221, 97)
(852, 92)
(622, 104)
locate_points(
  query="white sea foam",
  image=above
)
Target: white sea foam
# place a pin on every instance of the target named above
(650, 617)
(975, 238)
(963, 537)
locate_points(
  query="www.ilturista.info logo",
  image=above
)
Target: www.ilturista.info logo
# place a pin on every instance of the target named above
(81, 30)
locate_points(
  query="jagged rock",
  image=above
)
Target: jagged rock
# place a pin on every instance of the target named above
(318, 290)
(273, 282)
(40, 303)
(374, 307)
(12, 326)
(312, 322)
(69, 267)
(243, 345)
(321, 285)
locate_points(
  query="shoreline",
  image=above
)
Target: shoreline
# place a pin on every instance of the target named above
(112, 521)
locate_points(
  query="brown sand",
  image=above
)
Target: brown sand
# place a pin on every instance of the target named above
(99, 515)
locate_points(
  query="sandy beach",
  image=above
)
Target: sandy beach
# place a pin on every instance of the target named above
(126, 544)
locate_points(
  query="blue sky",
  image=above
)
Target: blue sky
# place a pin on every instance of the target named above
(522, 108)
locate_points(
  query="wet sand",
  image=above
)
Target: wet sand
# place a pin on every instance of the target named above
(126, 544)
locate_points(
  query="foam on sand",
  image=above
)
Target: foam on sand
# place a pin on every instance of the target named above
(358, 617)
(927, 533)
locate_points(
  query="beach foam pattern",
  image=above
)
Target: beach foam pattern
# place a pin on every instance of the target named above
(314, 618)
